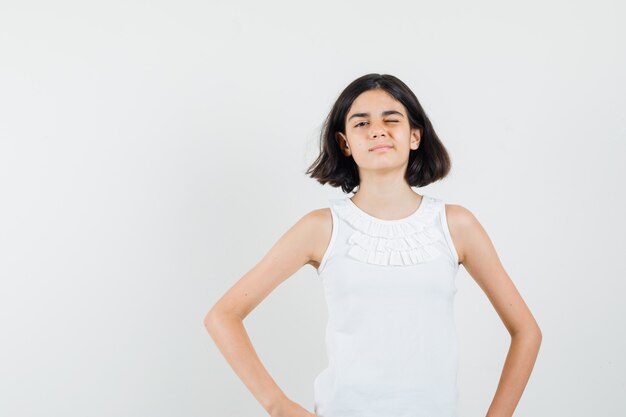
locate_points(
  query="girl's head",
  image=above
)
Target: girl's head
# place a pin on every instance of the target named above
(378, 109)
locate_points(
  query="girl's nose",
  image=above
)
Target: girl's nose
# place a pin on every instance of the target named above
(377, 131)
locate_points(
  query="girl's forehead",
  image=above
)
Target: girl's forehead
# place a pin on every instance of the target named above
(375, 104)
(373, 99)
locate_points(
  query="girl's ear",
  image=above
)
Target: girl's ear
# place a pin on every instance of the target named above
(416, 135)
(343, 143)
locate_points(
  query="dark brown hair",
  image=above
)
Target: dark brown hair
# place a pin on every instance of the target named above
(428, 163)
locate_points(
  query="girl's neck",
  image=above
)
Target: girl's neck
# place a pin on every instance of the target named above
(387, 203)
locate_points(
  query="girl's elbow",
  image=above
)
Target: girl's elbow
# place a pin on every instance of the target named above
(534, 334)
(529, 333)
(211, 318)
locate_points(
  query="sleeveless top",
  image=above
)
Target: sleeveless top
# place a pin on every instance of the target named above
(391, 339)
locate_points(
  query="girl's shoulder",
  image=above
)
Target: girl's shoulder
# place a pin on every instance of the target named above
(318, 227)
(464, 227)
(458, 216)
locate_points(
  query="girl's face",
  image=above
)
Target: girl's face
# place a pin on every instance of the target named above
(377, 119)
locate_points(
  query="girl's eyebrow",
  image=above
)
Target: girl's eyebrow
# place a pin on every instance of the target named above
(385, 113)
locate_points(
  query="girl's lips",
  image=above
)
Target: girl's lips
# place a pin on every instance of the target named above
(381, 149)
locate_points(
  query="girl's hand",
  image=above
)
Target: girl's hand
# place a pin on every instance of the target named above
(288, 408)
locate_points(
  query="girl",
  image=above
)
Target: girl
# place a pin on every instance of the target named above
(387, 258)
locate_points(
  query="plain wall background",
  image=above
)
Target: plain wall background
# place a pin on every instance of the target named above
(152, 152)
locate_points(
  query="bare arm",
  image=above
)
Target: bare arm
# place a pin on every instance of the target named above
(224, 321)
(478, 256)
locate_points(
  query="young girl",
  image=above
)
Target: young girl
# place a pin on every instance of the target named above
(387, 258)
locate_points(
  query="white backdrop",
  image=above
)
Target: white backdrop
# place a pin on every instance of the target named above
(152, 152)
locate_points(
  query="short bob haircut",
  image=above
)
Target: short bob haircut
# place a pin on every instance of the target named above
(428, 163)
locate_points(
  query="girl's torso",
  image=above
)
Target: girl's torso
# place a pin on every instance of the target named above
(391, 339)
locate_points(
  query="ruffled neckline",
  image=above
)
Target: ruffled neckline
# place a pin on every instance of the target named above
(405, 241)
